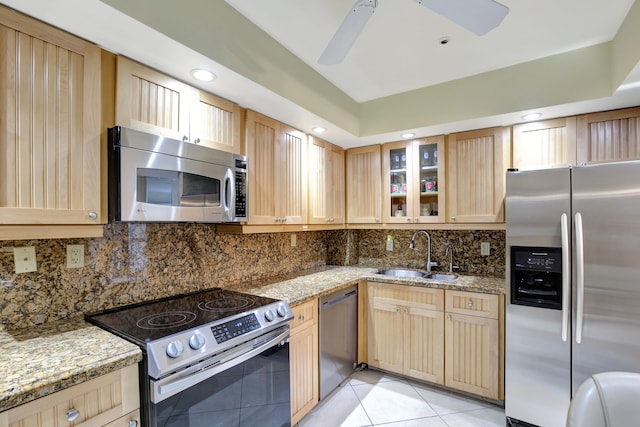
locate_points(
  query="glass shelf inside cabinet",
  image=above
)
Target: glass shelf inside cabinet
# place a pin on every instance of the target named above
(398, 180)
(428, 179)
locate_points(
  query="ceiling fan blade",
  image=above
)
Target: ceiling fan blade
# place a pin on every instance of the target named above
(477, 16)
(348, 32)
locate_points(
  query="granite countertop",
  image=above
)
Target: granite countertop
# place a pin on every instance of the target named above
(39, 361)
(54, 356)
(299, 289)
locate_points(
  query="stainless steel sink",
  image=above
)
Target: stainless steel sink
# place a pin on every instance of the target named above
(401, 272)
(440, 276)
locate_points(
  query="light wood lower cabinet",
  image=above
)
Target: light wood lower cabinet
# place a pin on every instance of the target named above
(406, 330)
(109, 400)
(304, 362)
(446, 337)
(472, 343)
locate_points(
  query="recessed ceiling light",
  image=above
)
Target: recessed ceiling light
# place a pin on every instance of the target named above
(408, 135)
(319, 129)
(531, 116)
(203, 75)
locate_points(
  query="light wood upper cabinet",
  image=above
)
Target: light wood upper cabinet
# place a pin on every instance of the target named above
(472, 343)
(544, 144)
(49, 128)
(609, 136)
(277, 172)
(304, 359)
(326, 182)
(413, 181)
(364, 205)
(153, 102)
(476, 165)
(406, 330)
(99, 402)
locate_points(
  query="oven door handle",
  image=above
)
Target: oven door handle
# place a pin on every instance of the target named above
(167, 387)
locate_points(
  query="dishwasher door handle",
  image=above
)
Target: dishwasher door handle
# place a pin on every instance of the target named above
(339, 299)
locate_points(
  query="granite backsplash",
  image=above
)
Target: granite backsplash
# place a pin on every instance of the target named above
(137, 262)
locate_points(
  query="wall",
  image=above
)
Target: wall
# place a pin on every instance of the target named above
(137, 262)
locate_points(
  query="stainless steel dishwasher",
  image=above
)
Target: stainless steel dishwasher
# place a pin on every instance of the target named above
(338, 338)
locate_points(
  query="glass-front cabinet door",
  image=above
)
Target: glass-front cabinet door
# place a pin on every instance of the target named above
(414, 181)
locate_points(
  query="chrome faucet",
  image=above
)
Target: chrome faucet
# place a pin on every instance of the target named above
(413, 244)
(450, 252)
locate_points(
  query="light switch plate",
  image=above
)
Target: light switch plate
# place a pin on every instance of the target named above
(25, 259)
(294, 241)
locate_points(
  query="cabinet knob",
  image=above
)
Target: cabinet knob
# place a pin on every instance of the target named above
(449, 317)
(301, 318)
(406, 311)
(133, 423)
(409, 219)
(196, 141)
(416, 219)
(72, 414)
(376, 219)
(398, 310)
(470, 304)
(185, 138)
(93, 215)
(453, 218)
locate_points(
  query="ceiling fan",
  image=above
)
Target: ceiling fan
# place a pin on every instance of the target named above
(477, 16)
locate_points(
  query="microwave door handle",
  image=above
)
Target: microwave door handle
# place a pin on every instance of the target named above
(228, 196)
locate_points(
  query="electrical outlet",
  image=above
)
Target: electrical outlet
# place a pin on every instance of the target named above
(25, 259)
(294, 241)
(485, 249)
(75, 256)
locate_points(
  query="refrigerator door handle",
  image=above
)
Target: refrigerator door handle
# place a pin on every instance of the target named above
(565, 275)
(579, 277)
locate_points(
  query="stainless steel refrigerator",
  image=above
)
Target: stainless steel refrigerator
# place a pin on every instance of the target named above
(573, 284)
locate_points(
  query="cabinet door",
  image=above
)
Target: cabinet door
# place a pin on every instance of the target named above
(277, 172)
(424, 349)
(291, 176)
(337, 185)
(472, 342)
(150, 101)
(471, 355)
(385, 329)
(319, 181)
(476, 167)
(304, 363)
(609, 136)
(215, 123)
(544, 144)
(49, 125)
(363, 185)
(429, 180)
(397, 183)
(262, 133)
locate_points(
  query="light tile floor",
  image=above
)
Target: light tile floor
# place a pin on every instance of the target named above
(374, 398)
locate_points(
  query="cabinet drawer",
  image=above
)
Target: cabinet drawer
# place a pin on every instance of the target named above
(472, 304)
(98, 401)
(129, 420)
(408, 296)
(304, 314)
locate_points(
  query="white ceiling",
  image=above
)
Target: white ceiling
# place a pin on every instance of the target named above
(397, 52)
(399, 48)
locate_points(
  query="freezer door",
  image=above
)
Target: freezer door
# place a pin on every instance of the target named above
(537, 360)
(607, 335)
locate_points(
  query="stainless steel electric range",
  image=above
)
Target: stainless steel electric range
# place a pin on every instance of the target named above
(211, 358)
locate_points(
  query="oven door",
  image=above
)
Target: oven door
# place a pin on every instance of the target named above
(246, 386)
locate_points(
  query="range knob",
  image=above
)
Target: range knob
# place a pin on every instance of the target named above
(269, 315)
(282, 310)
(175, 349)
(196, 341)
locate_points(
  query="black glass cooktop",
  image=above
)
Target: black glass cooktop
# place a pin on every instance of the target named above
(152, 320)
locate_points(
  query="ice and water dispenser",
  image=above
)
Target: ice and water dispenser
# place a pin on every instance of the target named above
(536, 277)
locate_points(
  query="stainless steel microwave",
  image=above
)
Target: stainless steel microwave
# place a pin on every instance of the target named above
(158, 179)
